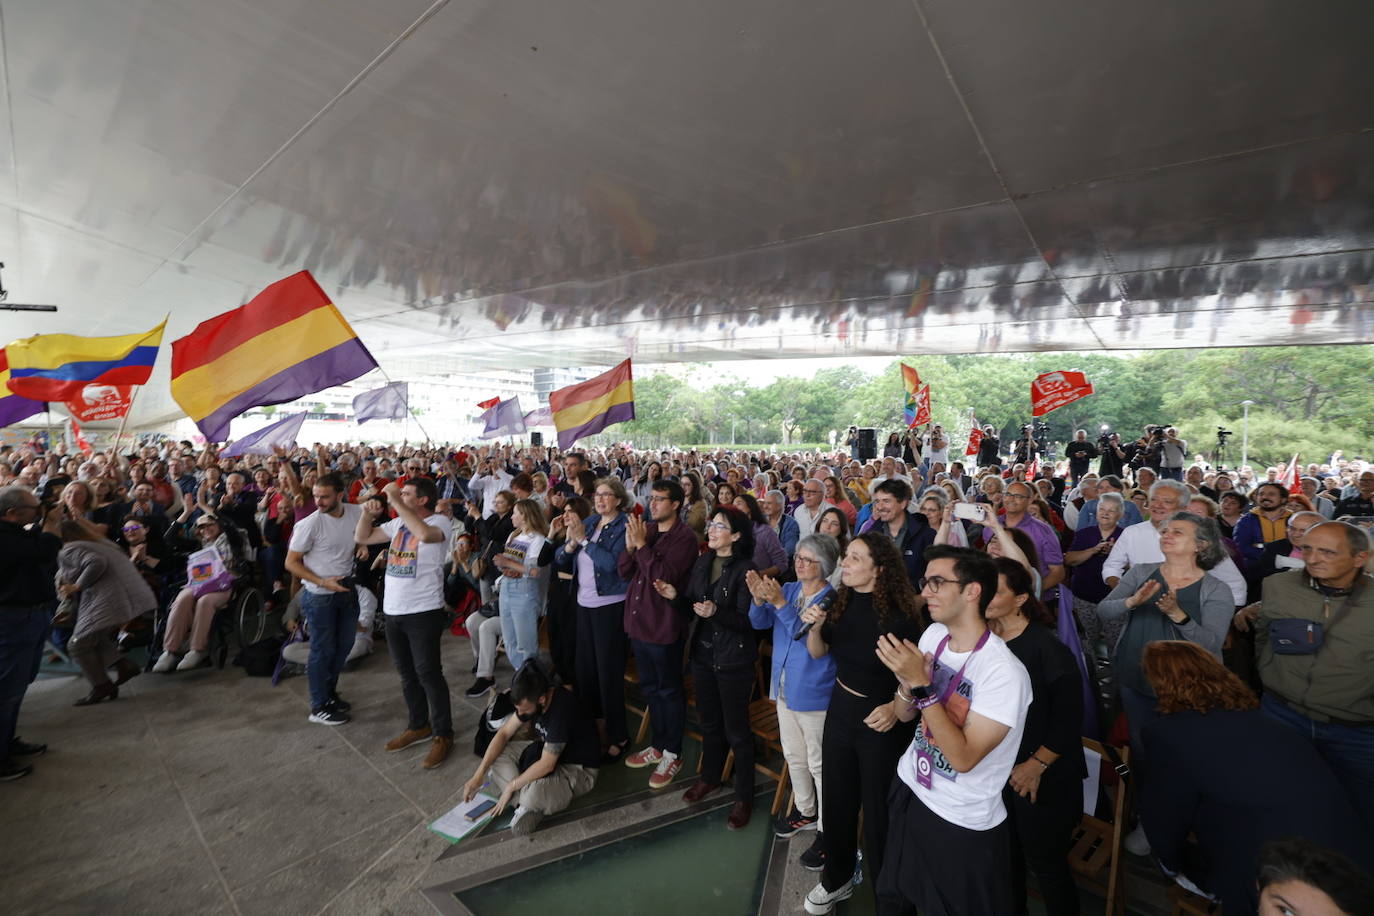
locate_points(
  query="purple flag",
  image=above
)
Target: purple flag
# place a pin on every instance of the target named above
(261, 442)
(541, 417)
(1067, 628)
(390, 402)
(505, 419)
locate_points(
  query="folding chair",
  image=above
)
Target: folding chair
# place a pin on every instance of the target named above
(1097, 843)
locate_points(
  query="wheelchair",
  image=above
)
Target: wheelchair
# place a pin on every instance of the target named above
(244, 618)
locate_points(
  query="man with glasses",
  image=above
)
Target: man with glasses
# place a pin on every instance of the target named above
(28, 562)
(948, 848)
(1015, 505)
(911, 532)
(809, 512)
(663, 550)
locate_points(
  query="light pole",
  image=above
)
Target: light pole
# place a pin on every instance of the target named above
(1245, 434)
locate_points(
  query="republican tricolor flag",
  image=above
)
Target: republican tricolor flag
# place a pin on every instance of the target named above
(287, 342)
(589, 407)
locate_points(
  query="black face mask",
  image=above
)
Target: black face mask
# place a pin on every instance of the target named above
(530, 716)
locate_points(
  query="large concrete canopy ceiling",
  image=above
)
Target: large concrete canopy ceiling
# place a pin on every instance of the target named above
(536, 182)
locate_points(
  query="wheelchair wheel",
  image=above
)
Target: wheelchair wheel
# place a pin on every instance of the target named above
(250, 617)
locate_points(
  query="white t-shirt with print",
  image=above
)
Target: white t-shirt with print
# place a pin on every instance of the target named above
(997, 687)
(414, 568)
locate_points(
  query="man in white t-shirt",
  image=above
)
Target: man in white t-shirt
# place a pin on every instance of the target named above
(413, 606)
(321, 555)
(948, 849)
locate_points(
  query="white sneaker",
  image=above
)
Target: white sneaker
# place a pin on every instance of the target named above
(165, 662)
(820, 901)
(192, 660)
(1136, 842)
(525, 820)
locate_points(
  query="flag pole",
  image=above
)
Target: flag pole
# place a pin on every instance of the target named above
(410, 414)
(133, 396)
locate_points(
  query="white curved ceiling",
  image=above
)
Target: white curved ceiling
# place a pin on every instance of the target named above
(533, 183)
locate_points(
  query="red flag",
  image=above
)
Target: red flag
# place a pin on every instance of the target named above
(1052, 390)
(922, 406)
(975, 437)
(102, 402)
(1290, 477)
(80, 440)
(489, 403)
(1033, 468)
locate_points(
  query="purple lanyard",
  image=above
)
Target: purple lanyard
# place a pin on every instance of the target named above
(958, 677)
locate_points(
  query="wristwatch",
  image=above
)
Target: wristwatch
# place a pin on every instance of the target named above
(920, 693)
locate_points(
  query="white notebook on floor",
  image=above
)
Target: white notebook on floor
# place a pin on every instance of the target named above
(466, 819)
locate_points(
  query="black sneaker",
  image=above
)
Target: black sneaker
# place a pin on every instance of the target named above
(19, 748)
(785, 825)
(326, 716)
(13, 769)
(814, 858)
(479, 688)
(338, 704)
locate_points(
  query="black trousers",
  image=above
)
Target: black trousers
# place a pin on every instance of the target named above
(723, 710)
(858, 765)
(602, 649)
(941, 869)
(413, 640)
(561, 622)
(1040, 836)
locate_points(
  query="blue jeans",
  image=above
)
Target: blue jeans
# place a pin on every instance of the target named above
(665, 700)
(22, 631)
(522, 604)
(332, 619)
(1347, 749)
(1171, 473)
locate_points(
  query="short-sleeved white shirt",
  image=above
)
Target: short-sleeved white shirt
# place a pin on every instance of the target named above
(997, 687)
(326, 543)
(414, 568)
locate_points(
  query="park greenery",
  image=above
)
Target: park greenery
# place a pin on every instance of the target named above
(1307, 400)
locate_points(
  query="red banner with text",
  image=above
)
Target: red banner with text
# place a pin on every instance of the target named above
(102, 402)
(1053, 390)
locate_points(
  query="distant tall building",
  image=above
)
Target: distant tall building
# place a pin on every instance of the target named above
(547, 380)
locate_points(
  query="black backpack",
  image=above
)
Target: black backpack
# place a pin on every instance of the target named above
(260, 658)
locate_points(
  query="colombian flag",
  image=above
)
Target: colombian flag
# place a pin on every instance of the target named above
(589, 407)
(287, 342)
(55, 367)
(13, 408)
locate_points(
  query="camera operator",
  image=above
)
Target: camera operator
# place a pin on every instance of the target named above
(28, 564)
(989, 447)
(1173, 453)
(1025, 448)
(1080, 453)
(1114, 455)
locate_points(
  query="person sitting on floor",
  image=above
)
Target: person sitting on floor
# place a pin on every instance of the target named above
(559, 765)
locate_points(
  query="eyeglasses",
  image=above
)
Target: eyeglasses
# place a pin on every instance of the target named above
(935, 583)
(659, 499)
(606, 493)
(130, 529)
(718, 526)
(801, 559)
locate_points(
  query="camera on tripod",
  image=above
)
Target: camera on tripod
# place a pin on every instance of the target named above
(1223, 434)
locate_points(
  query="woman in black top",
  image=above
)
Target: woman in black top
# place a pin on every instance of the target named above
(723, 650)
(893, 448)
(1044, 796)
(863, 739)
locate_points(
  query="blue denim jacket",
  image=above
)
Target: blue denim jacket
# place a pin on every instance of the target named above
(605, 554)
(809, 680)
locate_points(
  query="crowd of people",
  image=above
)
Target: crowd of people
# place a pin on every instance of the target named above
(907, 615)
